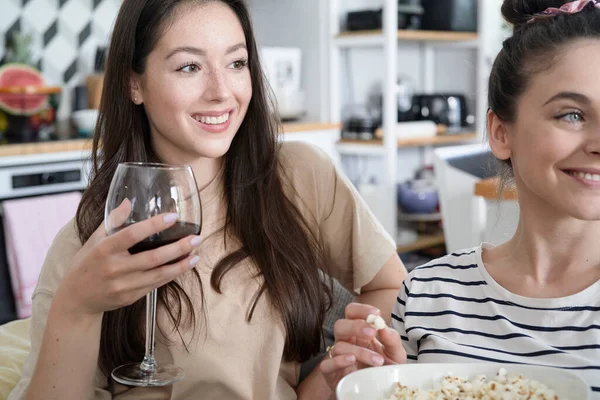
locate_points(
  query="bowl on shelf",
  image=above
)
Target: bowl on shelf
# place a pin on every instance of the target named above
(418, 196)
(85, 121)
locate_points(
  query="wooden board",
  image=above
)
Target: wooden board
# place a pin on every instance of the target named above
(423, 242)
(86, 144)
(30, 89)
(445, 36)
(488, 188)
(45, 147)
(293, 127)
(420, 141)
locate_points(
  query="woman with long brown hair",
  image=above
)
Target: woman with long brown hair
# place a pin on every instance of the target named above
(183, 85)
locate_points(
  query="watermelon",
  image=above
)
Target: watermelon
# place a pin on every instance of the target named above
(21, 76)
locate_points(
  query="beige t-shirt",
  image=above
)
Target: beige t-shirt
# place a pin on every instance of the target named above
(232, 358)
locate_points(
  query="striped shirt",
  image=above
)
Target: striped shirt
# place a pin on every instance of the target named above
(451, 310)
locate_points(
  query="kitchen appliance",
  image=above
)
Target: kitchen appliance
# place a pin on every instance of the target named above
(34, 175)
(448, 109)
(409, 17)
(360, 128)
(450, 15)
(404, 97)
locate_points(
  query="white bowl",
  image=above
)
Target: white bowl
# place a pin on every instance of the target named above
(378, 383)
(85, 121)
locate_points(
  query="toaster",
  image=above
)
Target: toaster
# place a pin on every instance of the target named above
(449, 109)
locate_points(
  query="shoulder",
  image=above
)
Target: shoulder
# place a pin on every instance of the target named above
(308, 175)
(299, 155)
(59, 257)
(461, 265)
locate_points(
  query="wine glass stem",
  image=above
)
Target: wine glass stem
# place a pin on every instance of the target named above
(149, 363)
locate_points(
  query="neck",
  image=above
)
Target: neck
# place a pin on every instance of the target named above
(205, 169)
(550, 246)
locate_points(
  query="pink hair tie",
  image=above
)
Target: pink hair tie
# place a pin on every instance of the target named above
(572, 7)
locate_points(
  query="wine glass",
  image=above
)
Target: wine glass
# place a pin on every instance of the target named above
(153, 189)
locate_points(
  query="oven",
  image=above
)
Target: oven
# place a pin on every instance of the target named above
(35, 175)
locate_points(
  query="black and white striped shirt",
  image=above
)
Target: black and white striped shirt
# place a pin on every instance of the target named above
(452, 310)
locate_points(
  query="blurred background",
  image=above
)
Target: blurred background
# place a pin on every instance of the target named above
(393, 90)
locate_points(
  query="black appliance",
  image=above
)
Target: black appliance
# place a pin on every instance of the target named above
(8, 311)
(409, 17)
(447, 109)
(450, 15)
(360, 128)
(28, 176)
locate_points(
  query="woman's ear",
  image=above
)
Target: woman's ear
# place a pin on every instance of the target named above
(498, 136)
(136, 89)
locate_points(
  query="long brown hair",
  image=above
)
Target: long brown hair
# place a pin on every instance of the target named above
(272, 231)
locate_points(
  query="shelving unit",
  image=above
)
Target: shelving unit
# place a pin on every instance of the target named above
(389, 39)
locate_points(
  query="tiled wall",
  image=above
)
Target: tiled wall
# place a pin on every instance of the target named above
(65, 33)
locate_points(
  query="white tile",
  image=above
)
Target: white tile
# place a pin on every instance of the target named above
(89, 4)
(87, 56)
(104, 18)
(40, 14)
(73, 17)
(16, 3)
(52, 75)
(59, 54)
(8, 16)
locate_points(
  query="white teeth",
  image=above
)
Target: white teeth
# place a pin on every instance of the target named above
(213, 120)
(586, 175)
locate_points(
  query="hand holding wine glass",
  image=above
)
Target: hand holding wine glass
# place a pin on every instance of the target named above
(104, 276)
(110, 271)
(153, 190)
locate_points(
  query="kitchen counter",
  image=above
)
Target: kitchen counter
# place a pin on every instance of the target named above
(71, 145)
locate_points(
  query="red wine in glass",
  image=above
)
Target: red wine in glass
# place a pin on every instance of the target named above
(170, 235)
(153, 189)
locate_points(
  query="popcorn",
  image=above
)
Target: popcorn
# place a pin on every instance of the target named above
(376, 322)
(502, 387)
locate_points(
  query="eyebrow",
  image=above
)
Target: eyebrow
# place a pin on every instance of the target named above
(201, 52)
(578, 97)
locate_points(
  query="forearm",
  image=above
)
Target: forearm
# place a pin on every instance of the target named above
(383, 299)
(314, 387)
(382, 291)
(68, 358)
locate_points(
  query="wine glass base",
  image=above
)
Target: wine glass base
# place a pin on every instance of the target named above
(133, 375)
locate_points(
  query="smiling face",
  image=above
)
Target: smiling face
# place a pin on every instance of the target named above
(196, 86)
(554, 141)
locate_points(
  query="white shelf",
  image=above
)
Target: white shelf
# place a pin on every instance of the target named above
(359, 149)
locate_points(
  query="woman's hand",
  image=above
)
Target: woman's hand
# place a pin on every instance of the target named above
(104, 276)
(358, 345)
